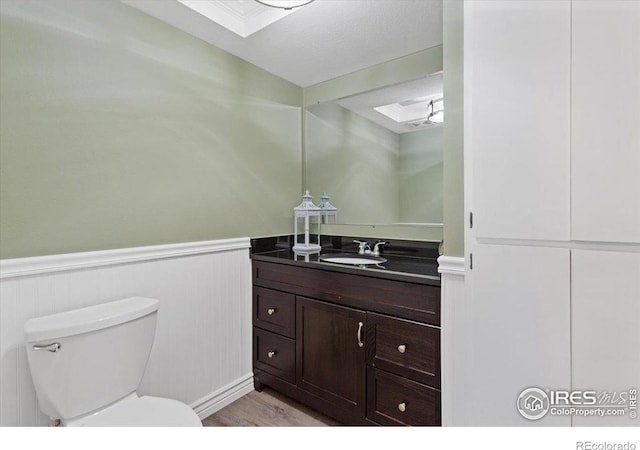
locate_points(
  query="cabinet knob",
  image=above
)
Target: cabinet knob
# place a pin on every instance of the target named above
(402, 348)
(270, 311)
(271, 354)
(402, 407)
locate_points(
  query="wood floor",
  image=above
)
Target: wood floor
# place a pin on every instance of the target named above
(267, 409)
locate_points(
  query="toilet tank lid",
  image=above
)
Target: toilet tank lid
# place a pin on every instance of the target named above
(84, 320)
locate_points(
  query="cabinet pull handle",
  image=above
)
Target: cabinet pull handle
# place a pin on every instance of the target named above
(270, 311)
(360, 343)
(402, 407)
(271, 354)
(402, 348)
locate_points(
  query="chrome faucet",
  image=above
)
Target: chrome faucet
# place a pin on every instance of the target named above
(376, 248)
(365, 248)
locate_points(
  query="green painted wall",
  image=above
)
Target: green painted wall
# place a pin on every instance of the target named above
(117, 130)
(420, 176)
(355, 161)
(399, 70)
(453, 37)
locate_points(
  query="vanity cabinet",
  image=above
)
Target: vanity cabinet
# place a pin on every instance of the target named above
(359, 348)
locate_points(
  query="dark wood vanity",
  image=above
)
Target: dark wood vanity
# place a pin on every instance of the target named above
(361, 348)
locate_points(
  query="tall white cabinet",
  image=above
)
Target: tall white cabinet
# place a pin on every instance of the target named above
(520, 337)
(605, 313)
(605, 112)
(520, 105)
(552, 177)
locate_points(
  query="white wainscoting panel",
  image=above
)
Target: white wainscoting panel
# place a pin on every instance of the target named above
(454, 341)
(202, 349)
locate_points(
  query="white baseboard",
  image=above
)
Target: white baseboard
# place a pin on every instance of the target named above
(224, 396)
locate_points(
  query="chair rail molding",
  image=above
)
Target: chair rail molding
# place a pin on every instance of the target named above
(19, 267)
(451, 265)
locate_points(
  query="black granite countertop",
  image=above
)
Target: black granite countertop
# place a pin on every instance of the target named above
(404, 262)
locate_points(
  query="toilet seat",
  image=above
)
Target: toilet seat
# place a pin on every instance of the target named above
(146, 411)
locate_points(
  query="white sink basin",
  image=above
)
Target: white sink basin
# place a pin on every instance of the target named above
(356, 260)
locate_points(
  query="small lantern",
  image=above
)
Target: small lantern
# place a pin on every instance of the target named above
(305, 215)
(303, 255)
(329, 213)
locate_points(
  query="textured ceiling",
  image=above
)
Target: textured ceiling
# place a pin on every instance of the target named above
(322, 40)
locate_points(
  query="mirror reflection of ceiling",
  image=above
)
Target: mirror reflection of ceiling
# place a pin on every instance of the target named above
(406, 103)
(316, 42)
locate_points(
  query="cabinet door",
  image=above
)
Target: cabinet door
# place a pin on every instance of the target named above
(520, 333)
(517, 64)
(605, 332)
(330, 362)
(605, 155)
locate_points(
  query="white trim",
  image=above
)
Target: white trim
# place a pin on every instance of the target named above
(20, 267)
(454, 348)
(627, 247)
(419, 224)
(451, 337)
(452, 265)
(224, 396)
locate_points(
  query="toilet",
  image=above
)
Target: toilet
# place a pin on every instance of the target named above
(87, 364)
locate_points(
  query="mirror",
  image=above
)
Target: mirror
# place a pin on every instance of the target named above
(377, 156)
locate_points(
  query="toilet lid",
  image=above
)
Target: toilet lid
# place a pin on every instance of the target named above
(146, 411)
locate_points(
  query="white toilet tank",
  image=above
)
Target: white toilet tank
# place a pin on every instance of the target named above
(92, 357)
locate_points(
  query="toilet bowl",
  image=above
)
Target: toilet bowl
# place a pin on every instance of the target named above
(146, 411)
(87, 364)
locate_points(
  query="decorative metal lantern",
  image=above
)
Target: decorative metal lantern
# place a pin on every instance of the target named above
(306, 214)
(329, 213)
(304, 256)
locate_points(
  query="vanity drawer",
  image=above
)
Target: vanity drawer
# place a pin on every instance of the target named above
(414, 301)
(404, 347)
(274, 311)
(274, 354)
(394, 400)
